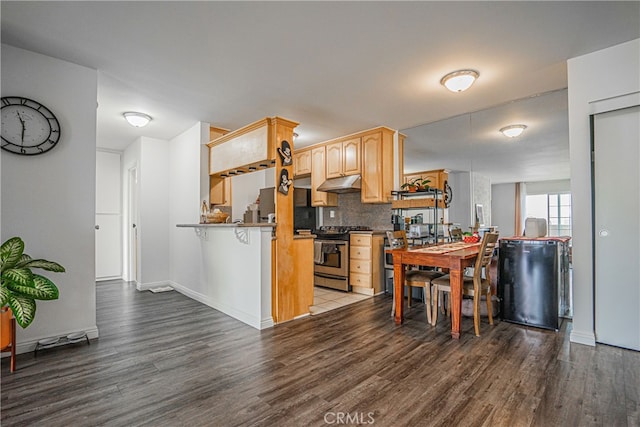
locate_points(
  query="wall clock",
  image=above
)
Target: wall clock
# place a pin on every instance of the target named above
(28, 127)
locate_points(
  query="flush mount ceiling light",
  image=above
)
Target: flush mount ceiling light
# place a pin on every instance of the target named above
(295, 136)
(459, 81)
(513, 131)
(137, 119)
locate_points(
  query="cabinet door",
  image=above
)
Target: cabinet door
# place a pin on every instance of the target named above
(351, 156)
(372, 168)
(220, 191)
(334, 160)
(320, 198)
(302, 163)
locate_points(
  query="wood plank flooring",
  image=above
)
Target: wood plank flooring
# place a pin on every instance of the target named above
(166, 360)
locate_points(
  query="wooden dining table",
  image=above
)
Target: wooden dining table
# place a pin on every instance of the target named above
(452, 256)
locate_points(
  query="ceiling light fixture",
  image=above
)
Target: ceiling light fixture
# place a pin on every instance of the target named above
(459, 81)
(513, 131)
(295, 136)
(137, 119)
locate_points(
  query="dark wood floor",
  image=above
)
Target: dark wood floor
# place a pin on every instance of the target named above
(166, 360)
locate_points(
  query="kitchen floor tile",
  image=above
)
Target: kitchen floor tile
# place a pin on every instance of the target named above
(328, 299)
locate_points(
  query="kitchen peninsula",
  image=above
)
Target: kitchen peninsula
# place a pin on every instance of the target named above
(258, 273)
(238, 263)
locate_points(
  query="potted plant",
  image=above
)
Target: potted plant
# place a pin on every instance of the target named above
(19, 286)
(416, 184)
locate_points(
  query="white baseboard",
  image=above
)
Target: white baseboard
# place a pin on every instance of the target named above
(584, 338)
(147, 286)
(224, 308)
(28, 346)
(105, 279)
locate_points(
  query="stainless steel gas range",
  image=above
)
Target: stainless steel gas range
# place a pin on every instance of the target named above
(331, 256)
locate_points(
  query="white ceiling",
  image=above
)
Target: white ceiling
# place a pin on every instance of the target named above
(337, 68)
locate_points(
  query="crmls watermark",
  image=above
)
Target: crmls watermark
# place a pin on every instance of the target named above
(349, 418)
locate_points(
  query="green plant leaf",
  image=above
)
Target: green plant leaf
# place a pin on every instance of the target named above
(24, 309)
(4, 296)
(47, 290)
(11, 252)
(44, 264)
(42, 288)
(18, 276)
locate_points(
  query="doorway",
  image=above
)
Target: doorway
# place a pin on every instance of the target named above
(616, 226)
(132, 225)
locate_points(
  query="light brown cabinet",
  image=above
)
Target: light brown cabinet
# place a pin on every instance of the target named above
(365, 263)
(377, 166)
(318, 176)
(343, 158)
(302, 163)
(437, 178)
(220, 191)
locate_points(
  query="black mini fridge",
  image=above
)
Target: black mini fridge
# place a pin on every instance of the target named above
(533, 281)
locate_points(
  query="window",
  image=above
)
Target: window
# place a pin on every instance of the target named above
(555, 208)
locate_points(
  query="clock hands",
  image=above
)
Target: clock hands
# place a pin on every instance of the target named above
(22, 123)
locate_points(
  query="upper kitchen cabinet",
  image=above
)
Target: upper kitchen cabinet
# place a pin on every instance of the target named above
(377, 165)
(219, 188)
(318, 176)
(343, 158)
(301, 163)
(437, 178)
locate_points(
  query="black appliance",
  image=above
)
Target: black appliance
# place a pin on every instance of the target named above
(304, 215)
(533, 281)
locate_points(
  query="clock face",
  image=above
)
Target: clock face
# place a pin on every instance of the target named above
(28, 127)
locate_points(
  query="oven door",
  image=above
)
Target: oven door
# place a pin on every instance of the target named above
(333, 259)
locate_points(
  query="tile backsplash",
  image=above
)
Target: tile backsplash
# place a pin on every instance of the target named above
(351, 211)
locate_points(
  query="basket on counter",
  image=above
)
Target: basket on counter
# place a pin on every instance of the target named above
(471, 239)
(217, 217)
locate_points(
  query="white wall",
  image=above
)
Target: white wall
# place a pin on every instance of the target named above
(481, 195)
(154, 211)
(245, 189)
(131, 158)
(460, 208)
(503, 208)
(548, 187)
(49, 199)
(185, 195)
(600, 75)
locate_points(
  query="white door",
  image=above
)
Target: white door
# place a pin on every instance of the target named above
(108, 216)
(108, 247)
(132, 225)
(617, 227)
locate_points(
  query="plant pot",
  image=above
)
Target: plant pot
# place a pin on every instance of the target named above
(5, 327)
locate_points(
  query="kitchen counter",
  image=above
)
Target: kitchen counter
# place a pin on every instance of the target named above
(373, 232)
(237, 264)
(232, 224)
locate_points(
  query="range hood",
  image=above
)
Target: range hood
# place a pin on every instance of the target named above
(343, 184)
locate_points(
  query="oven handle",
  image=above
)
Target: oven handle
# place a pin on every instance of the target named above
(333, 242)
(329, 276)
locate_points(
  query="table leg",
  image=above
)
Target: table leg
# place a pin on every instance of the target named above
(398, 290)
(455, 280)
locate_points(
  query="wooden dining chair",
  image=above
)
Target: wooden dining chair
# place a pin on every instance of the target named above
(413, 278)
(455, 234)
(474, 286)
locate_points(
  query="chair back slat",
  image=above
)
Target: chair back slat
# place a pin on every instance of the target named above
(489, 242)
(397, 239)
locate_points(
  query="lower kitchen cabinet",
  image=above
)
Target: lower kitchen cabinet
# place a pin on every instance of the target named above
(365, 263)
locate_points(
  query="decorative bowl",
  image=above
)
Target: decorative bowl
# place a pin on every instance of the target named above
(471, 239)
(217, 217)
